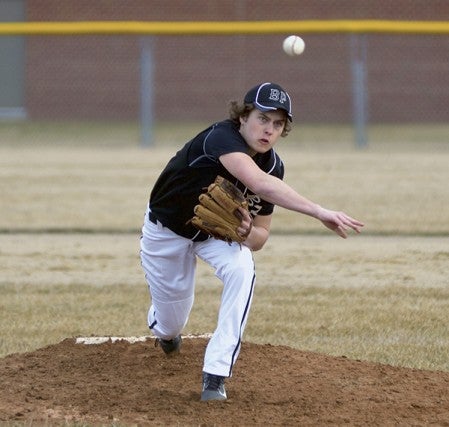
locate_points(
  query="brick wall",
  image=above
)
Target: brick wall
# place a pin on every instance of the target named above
(98, 77)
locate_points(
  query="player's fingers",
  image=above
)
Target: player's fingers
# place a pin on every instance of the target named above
(245, 230)
(245, 213)
(354, 221)
(356, 226)
(246, 217)
(351, 222)
(246, 223)
(341, 232)
(336, 227)
(342, 223)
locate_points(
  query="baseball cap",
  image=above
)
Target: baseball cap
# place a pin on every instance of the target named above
(268, 97)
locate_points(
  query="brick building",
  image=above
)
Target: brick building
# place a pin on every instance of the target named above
(194, 76)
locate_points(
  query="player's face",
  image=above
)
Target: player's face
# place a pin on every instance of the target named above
(262, 130)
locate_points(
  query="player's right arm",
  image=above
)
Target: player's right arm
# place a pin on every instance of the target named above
(276, 191)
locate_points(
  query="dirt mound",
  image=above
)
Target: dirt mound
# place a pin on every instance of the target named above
(134, 383)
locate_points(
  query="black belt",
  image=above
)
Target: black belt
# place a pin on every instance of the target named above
(152, 218)
(199, 237)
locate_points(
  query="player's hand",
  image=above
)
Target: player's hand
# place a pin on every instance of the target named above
(247, 223)
(339, 222)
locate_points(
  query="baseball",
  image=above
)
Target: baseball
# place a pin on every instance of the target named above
(293, 45)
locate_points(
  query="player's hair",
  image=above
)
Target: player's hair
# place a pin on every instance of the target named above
(237, 110)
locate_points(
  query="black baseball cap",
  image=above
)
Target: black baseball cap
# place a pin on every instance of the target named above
(268, 97)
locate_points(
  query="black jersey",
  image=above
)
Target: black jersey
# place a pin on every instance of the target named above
(194, 167)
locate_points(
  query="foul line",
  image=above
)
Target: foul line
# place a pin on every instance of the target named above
(131, 340)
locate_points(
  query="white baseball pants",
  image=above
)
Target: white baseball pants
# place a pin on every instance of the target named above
(169, 263)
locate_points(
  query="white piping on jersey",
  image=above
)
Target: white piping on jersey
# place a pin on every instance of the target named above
(212, 158)
(205, 155)
(274, 163)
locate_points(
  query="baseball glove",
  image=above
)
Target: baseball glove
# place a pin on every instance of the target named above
(217, 213)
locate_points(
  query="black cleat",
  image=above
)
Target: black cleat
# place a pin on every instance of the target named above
(170, 347)
(213, 387)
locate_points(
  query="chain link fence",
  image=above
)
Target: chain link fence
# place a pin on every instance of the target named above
(147, 89)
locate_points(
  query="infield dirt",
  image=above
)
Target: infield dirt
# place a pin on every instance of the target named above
(136, 384)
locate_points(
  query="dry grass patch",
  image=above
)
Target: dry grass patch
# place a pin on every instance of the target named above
(373, 298)
(395, 191)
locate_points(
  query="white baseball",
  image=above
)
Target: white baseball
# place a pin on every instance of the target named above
(293, 45)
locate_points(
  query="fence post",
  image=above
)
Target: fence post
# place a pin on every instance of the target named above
(359, 88)
(146, 92)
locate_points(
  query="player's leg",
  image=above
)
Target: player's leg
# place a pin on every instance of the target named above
(169, 265)
(234, 266)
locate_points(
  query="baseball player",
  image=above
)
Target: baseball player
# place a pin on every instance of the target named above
(239, 149)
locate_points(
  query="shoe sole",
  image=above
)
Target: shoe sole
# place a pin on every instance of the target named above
(175, 351)
(207, 395)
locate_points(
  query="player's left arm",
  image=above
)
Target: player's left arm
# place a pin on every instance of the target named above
(260, 231)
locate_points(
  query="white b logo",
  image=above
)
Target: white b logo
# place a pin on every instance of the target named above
(278, 95)
(274, 95)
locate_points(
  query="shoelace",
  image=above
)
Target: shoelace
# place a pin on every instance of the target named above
(213, 382)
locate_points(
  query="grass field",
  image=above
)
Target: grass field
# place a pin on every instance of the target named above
(70, 219)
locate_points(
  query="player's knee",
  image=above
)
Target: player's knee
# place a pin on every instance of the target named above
(238, 273)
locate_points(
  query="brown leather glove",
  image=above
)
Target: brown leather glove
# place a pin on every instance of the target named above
(217, 213)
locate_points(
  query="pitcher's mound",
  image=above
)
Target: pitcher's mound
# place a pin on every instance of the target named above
(132, 382)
